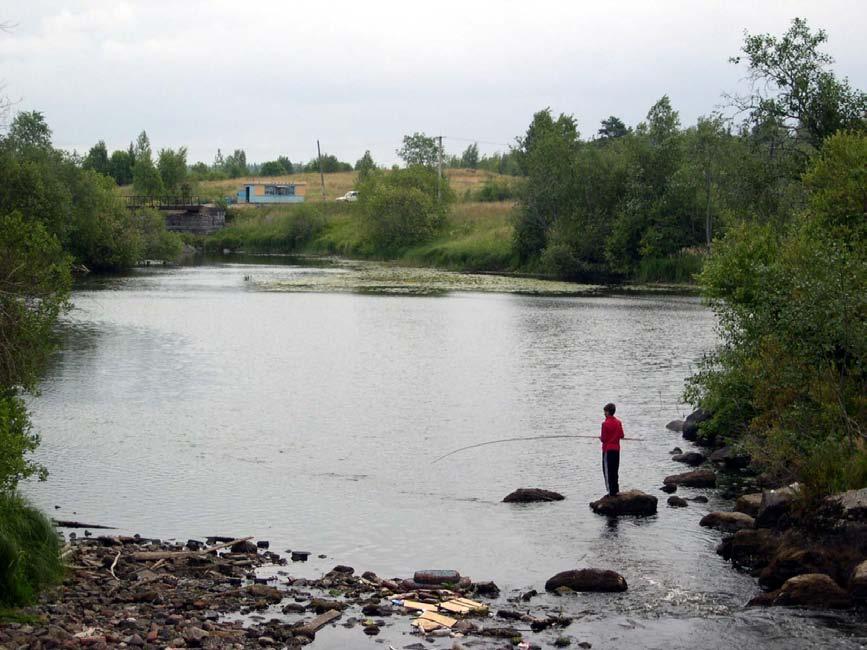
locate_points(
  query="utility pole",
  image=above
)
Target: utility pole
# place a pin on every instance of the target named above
(321, 174)
(440, 169)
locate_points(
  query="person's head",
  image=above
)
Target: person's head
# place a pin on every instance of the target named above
(609, 409)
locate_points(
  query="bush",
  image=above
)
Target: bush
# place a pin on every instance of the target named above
(401, 209)
(682, 268)
(275, 230)
(495, 190)
(29, 551)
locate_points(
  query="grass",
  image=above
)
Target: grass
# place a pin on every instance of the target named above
(678, 269)
(29, 551)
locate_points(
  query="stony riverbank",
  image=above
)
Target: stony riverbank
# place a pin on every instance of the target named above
(133, 592)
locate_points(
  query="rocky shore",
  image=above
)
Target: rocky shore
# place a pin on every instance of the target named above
(806, 557)
(140, 593)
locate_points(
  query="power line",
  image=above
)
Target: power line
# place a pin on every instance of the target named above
(498, 144)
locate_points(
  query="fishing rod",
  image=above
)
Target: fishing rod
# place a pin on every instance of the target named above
(494, 442)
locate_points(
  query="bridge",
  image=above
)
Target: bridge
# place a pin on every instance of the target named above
(183, 213)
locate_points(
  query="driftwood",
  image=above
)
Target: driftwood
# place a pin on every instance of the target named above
(114, 564)
(323, 619)
(146, 556)
(77, 524)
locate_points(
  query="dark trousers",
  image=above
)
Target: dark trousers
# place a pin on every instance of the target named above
(610, 468)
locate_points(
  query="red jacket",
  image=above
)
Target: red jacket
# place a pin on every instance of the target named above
(612, 432)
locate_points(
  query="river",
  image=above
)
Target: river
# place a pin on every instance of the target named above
(230, 399)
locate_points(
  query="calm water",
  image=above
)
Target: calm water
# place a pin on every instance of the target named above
(187, 402)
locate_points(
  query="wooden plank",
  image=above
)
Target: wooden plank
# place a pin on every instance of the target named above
(472, 604)
(425, 625)
(320, 621)
(446, 621)
(424, 607)
(456, 608)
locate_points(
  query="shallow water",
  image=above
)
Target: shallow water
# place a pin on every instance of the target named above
(207, 400)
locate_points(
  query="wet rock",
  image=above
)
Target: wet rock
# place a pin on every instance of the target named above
(748, 548)
(343, 569)
(700, 478)
(500, 632)
(243, 547)
(510, 614)
(677, 502)
(532, 495)
(727, 521)
(489, 589)
(669, 488)
(322, 605)
(293, 608)
(675, 425)
(776, 506)
(263, 543)
(300, 556)
(791, 562)
(195, 545)
(851, 505)
(813, 590)
(692, 422)
(699, 499)
(271, 594)
(858, 583)
(675, 451)
(526, 596)
(632, 502)
(562, 642)
(692, 458)
(730, 458)
(749, 504)
(587, 580)
(193, 636)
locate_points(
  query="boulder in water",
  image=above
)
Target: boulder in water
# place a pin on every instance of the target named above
(677, 502)
(700, 478)
(632, 502)
(675, 425)
(749, 504)
(750, 548)
(587, 580)
(727, 521)
(775, 505)
(690, 425)
(691, 458)
(813, 590)
(729, 458)
(532, 495)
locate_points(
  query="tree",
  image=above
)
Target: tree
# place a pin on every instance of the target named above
(30, 132)
(419, 149)
(145, 176)
(172, 166)
(219, 161)
(272, 168)
(97, 159)
(792, 86)
(286, 164)
(120, 167)
(236, 164)
(470, 157)
(612, 127)
(365, 166)
(706, 147)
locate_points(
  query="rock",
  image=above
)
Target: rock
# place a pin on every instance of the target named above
(749, 504)
(675, 425)
(675, 451)
(814, 590)
(526, 596)
(266, 641)
(587, 580)
(293, 608)
(271, 594)
(243, 547)
(263, 543)
(532, 495)
(562, 642)
(343, 569)
(194, 635)
(669, 488)
(727, 521)
(692, 458)
(852, 504)
(699, 499)
(436, 577)
(632, 502)
(677, 502)
(775, 506)
(489, 589)
(700, 478)
(194, 545)
(690, 425)
(791, 562)
(748, 548)
(300, 556)
(729, 458)
(322, 605)
(858, 583)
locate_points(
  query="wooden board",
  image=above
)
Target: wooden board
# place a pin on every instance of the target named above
(419, 606)
(457, 608)
(446, 621)
(472, 604)
(425, 625)
(321, 620)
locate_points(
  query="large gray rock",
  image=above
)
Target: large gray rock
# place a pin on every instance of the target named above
(675, 425)
(852, 504)
(750, 549)
(698, 478)
(632, 502)
(587, 580)
(749, 504)
(858, 583)
(690, 425)
(775, 505)
(730, 458)
(727, 521)
(532, 495)
(692, 458)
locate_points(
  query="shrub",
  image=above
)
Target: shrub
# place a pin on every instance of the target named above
(495, 190)
(29, 551)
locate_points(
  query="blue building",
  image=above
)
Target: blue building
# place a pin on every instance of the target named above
(266, 193)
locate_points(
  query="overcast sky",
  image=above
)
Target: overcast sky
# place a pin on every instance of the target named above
(272, 77)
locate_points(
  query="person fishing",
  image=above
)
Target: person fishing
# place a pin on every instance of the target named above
(612, 434)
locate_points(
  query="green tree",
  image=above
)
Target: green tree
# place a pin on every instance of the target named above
(235, 165)
(419, 149)
(793, 87)
(29, 133)
(172, 166)
(97, 159)
(120, 167)
(145, 176)
(470, 157)
(365, 166)
(612, 127)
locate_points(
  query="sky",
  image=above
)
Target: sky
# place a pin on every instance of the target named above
(273, 77)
